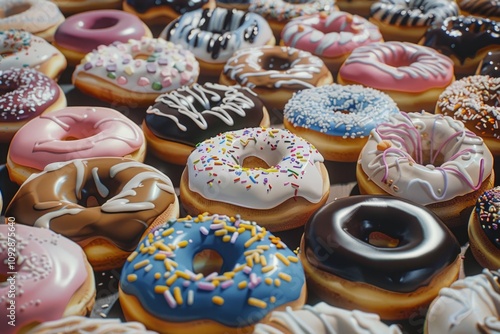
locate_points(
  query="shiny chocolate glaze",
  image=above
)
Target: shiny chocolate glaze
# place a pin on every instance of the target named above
(336, 241)
(490, 65)
(180, 6)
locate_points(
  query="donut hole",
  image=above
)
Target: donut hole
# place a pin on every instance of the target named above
(103, 23)
(14, 10)
(207, 262)
(276, 63)
(394, 60)
(254, 163)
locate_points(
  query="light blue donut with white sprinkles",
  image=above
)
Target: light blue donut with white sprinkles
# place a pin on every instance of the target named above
(348, 111)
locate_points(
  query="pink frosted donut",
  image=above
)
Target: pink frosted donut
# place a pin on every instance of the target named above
(71, 133)
(81, 33)
(330, 36)
(413, 75)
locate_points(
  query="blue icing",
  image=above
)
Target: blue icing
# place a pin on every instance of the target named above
(349, 111)
(235, 311)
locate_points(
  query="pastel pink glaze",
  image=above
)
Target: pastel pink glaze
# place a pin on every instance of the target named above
(397, 66)
(85, 31)
(75, 133)
(50, 269)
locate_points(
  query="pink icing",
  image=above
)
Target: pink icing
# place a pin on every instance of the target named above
(75, 132)
(397, 66)
(49, 269)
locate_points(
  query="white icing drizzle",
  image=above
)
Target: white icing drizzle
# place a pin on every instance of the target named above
(282, 10)
(101, 188)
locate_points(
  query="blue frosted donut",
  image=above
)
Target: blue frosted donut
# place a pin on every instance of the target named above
(210, 271)
(338, 119)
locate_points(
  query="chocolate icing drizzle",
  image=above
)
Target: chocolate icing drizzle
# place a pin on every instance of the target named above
(336, 241)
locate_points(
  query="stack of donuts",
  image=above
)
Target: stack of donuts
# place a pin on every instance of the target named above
(257, 166)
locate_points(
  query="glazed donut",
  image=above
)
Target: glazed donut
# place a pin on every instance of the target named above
(275, 73)
(79, 324)
(279, 12)
(163, 11)
(332, 37)
(337, 119)
(430, 159)
(71, 133)
(483, 229)
(267, 175)
(22, 49)
(236, 4)
(469, 305)
(82, 33)
(413, 75)
(70, 7)
(145, 69)
(25, 94)
(484, 8)
(209, 274)
(186, 116)
(324, 318)
(464, 39)
(39, 17)
(44, 277)
(356, 7)
(472, 100)
(490, 64)
(213, 35)
(407, 20)
(103, 204)
(360, 250)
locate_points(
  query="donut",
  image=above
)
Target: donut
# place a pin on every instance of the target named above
(360, 250)
(464, 39)
(71, 7)
(484, 8)
(188, 115)
(103, 204)
(275, 73)
(430, 159)
(135, 73)
(356, 7)
(267, 175)
(469, 305)
(45, 277)
(483, 229)
(472, 100)
(490, 64)
(213, 35)
(39, 17)
(25, 94)
(324, 318)
(337, 119)
(413, 75)
(209, 274)
(163, 11)
(71, 133)
(83, 32)
(236, 4)
(407, 20)
(20, 48)
(332, 37)
(279, 12)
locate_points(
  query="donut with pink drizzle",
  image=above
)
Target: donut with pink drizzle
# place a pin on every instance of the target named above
(430, 159)
(332, 37)
(413, 75)
(44, 277)
(70, 133)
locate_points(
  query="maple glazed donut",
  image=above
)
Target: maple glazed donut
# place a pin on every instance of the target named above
(356, 7)
(267, 175)
(275, 73)
(164, 285)
(20, 48)
(163, 11)
(332, 37)
(135, 73)
(186, 116)
(484, 8)
(39, 17)
(469, 101)
(25, 94)
(70, 7)
(51, 275)
(413, 75)
(213, 35)
(71, 133)
(103, 204)
(359, 250)
(82, 33)
(407, 20)
(430, 159)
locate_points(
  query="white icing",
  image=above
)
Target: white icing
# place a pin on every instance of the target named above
(37, 16)
(282, 10)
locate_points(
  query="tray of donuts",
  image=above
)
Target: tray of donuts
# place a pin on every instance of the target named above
(283, 167)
